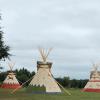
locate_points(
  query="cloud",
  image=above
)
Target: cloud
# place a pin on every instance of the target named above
(71, 27)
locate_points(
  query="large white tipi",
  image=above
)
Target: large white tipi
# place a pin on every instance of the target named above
(93, 84)
(43, 80)
(10, 81)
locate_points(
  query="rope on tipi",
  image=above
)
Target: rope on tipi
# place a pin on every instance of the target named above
(63, 88)
(21, 85)
(66, 91)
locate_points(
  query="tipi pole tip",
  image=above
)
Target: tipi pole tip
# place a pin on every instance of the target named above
(44, 54)
(11, 65)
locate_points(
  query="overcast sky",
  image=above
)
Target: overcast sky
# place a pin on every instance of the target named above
(71, 27)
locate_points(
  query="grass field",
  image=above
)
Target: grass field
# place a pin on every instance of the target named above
(22, 95)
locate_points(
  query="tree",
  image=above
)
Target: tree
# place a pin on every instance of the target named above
(23, 75)
(2, 76)
(66, 81)
(4, 49)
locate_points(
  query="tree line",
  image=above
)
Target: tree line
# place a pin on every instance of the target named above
(23, 75)
(72, 83)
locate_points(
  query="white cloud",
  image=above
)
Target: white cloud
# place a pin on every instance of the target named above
(70, 26)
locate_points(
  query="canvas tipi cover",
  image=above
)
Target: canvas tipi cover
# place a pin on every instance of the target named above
(10, 81)
(43, 80)
(93, 84)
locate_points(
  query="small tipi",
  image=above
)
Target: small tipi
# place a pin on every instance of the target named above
(93, 84)
(43, 81)
(10, 81)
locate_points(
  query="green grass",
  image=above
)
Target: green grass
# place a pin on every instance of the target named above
(31, 89)
(22, 95)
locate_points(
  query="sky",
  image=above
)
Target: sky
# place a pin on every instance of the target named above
(70, 27)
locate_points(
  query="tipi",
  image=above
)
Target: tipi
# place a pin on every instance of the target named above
(94, 83)
(10, 81)
(43, 81)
